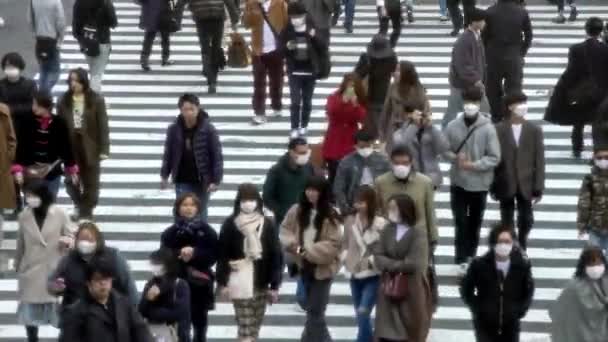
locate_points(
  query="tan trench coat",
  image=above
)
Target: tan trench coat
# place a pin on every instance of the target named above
(8, 147)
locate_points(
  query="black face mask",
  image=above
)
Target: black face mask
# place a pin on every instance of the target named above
(470, 120)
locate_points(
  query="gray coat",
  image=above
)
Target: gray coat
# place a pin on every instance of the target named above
(468, 63)
(39, 251)
(522, 168)
(426, 150)
(482, 148)
(348, 176)
(320, 11)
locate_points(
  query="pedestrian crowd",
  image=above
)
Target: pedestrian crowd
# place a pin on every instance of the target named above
(362, 200)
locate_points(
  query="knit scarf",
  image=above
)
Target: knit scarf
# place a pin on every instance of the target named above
(187, 226)
(248, 225)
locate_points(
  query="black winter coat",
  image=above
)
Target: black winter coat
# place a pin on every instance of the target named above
(267, 271)
(498, 303)
(318, 47)
(98, 13)
(19, 96)
(86, 320)
(378, 73)
(508, 31)
(203, 239)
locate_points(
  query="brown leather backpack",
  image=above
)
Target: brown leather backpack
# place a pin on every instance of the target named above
(239, 53)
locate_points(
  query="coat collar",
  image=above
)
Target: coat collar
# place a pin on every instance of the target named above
(42, 233)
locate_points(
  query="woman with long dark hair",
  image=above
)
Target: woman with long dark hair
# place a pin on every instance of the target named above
(84, 112)
(165, 300)
(345, 110)
(362, 232)
(249, 264)
(311, 236)
(581, 311)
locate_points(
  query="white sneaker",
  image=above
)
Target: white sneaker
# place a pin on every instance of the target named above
(298, 308)
(302, 131)
(277, 113)
(294, 134)
(258, 120)
(462, 270)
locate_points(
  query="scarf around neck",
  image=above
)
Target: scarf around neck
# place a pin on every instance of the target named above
(248, 225)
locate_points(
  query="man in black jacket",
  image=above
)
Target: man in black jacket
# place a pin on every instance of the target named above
(507, 38)
(498, 288)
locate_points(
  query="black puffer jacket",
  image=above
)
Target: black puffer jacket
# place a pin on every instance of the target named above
(98, 13)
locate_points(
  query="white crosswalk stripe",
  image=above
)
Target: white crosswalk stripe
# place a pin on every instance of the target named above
(133, 211)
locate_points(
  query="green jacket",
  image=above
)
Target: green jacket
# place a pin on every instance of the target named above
(283, 186)
(593, 202)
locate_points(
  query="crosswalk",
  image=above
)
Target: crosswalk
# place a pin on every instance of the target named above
(133, 211)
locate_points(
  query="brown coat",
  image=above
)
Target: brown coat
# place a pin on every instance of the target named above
(96, 135)
(254, 20)
(8, 147)
(409, 320)
(325, 253)
(393, 115)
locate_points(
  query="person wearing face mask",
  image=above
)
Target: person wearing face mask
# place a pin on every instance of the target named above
(84, 111)
(286, 179)
(194, 243)
(68, 279)
(345, 110)
(498, 288)
(426, 143)
(403, 248)
(311, 236)
(474, 153)
(249, 267)
(45, 234)
(165, 300)
(592, 212)
(521, 148)
(360, 167)
(16, 90)
(580, 312)
(467, 66)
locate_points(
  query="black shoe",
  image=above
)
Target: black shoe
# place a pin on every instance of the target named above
(455, 32)
(576, 154)
(573, 14)
(167, 62)
(560, 19)
(348, 29)
(145, 66)
(410, 15)
(211, 88)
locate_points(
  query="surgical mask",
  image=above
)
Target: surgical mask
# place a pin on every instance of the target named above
(248, 206)
(157, 270)
(601, 163)
(12, 72)
(365, 152)
(401, 171)
(521, 110)
(503, 249)
(33, 201)
(86, 247)
(471, 109)
(298, 21)
(302, 159)
(394, 216)
(595, 272)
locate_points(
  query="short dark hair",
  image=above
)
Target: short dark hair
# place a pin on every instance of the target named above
(296, 8)
(14, 59)
(498, 229)
(364, 135)
(167, 259)
(600, 148)
(295, 142)
(44, 99)
(589, 253)
(400, 150)
(190, 98)
(407, 208)
(474, 94)
(594, 26)
(516, 97)
(101, 265)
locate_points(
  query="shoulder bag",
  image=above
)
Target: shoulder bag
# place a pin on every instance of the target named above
(39, 171)
(170, 20)
(395, 286)
(465, 140)
(165, 332)
(46, 47)
(265, 16)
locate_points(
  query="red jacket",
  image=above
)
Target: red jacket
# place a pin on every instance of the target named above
(343, 124)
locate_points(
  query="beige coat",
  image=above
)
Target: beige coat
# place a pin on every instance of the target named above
(8, 147)
(356, 262)
(409, 320)
(39, 251)
(325, 253)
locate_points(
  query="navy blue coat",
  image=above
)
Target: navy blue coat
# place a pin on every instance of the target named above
(207, 150)
(151, 11)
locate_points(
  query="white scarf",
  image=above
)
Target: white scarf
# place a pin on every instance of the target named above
(248, 225)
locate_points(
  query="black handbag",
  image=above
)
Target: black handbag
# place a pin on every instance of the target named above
(89, 41)
(46, 47)
(170, 20)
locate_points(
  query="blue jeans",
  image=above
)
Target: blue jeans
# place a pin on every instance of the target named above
(301, 293)
(349, 12)
(197, 189)
(443, 7)
(597, 240)
(365, 292)
(49, 73)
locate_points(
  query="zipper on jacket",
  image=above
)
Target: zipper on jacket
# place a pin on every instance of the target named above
(500, 305)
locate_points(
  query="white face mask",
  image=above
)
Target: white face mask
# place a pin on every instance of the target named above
(33, 201)
(503, 249)
(601, 163)
(595, 272)
(248, 206)
(365, 152)
(394, 216)
(302, 159)
(401, 171)
(471, 109)
(298, 21)
(12, 72)
(521, 110)
(157, 270)
(86, 247)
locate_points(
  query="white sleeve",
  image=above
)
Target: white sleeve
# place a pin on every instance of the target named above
(379, 3)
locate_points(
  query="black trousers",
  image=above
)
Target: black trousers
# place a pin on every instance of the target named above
(468, 209)
(562, 3)
(577, 137)
(301, 90)
(504, 76)
(525, 216)
(210, 33)
(458, 22)
(146, 49)
(395, 16)
(508, 334)
(199, 327)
